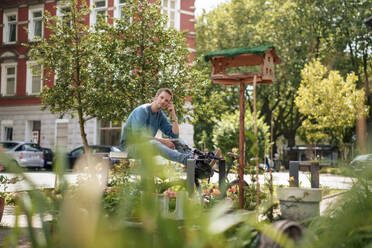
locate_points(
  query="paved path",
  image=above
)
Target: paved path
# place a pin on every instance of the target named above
(281, 178)
(47, 180)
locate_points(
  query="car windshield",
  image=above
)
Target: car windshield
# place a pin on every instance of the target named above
(115, 149)
(8, 145)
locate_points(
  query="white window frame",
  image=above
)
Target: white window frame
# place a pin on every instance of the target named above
(93, 14)
(31, 31)
(58, 121)
(29, 76)
(109, 128)
(6, 29)
(5, 76)
(59, 10)
(118, 6)
(167, 10)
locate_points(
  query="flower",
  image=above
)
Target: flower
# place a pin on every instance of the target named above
(171, 194)
(232, 190)
(291, 182)
(216, 192)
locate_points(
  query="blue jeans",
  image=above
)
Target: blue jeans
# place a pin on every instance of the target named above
(179, 154)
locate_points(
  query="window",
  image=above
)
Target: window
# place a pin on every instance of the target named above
(121, 4)
(7, 130)
(170, 8)
(9, 80)
(35, 26)
(64, 13)
(8, 133)
(10, 27)
(61, 133)
(34, 80)
(110, 132)
(99, 10)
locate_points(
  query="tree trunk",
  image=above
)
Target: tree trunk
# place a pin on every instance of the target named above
(82, 130)
(361, 125)
(291, 154)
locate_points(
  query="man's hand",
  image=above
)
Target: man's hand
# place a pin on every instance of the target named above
(167, 142)
(171, 111)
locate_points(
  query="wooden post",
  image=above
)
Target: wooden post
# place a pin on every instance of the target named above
(294, 167)
(190, 176)
(241, 146)
(256, 133)
(314, 170)
(222, 176)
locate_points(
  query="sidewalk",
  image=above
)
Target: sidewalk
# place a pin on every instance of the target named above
(8, 222)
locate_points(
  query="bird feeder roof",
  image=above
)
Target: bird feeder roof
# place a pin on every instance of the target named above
(231, 53)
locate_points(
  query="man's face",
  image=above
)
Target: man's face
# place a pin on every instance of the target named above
(163, 100)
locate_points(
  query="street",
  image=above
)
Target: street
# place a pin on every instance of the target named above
(46, 179)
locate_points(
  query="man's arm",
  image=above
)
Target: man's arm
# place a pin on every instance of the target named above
(172, 111)
(171, 130)
(166, 142)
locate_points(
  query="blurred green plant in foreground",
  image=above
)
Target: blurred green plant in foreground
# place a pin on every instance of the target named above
(124, 212)
(81, 215)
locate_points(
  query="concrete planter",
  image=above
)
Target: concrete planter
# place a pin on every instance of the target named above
(299, 204)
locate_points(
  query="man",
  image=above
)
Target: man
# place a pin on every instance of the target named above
(151, 118)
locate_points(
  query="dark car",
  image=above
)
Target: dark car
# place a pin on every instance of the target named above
(48, 157)
(99, 150)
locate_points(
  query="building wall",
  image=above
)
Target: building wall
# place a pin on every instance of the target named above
(22, 109)
(20, 115)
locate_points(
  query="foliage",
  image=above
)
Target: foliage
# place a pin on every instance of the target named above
(4, 182)
(80, 220)
(226, 135)
(330, 103)
(141, 57)
(106, 70)
(348, 222)
(300, 30)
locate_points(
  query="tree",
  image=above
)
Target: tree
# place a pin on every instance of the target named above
(330, 103)
(107, 70)
(300, 30)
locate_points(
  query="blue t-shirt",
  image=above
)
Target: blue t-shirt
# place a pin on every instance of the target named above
(142, 118)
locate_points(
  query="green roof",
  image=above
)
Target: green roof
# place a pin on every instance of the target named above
(259, 50)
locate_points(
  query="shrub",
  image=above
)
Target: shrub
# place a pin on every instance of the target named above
(226, 135)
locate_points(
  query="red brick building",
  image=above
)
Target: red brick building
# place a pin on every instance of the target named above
(20, 114)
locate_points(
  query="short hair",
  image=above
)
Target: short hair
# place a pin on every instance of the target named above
(166, 90)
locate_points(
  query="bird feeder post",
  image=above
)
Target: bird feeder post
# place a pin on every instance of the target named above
(241, 145)
(253, 56)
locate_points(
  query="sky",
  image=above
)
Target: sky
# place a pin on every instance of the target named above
(207, 5)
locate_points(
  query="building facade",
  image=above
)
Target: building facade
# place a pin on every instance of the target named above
(21, 117)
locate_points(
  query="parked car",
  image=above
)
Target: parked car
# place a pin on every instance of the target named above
(100, 150)
(26, 154)
(361, 161)
(48, 157)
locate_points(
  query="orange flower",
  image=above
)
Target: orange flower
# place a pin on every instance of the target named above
(232, 190)
(216, 192)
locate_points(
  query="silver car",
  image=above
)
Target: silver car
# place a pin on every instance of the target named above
(27, 154)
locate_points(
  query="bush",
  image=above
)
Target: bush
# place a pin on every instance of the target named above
(226, 135)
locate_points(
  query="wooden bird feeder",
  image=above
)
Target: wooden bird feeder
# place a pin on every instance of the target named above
(263, 56)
